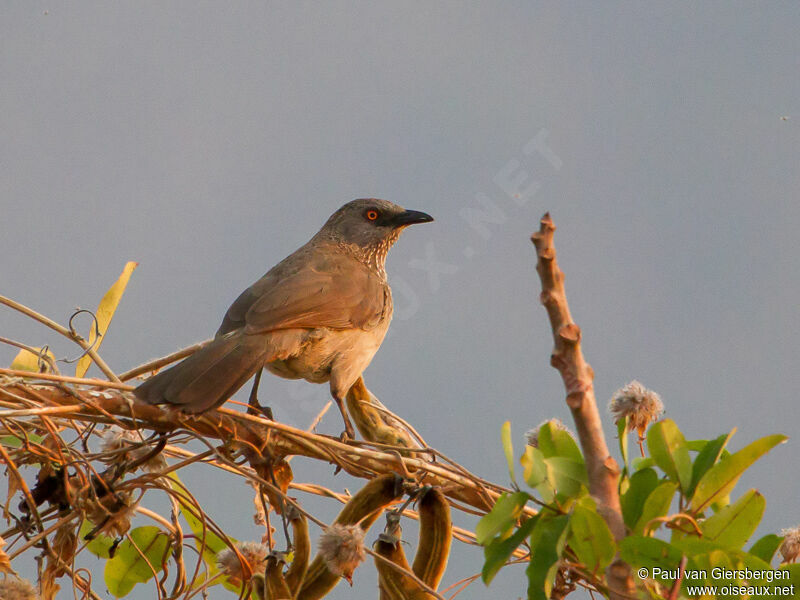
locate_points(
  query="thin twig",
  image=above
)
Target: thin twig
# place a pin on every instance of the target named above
(41, 354)
(113, 385)
(63, 331)
(153, 365)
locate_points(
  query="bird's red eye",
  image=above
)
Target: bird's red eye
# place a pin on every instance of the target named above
(372, 214)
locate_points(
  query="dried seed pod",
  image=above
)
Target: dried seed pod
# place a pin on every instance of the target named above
(363, 508)
(276, 587)
(370, 500)
(302, 551)
(393, 584)
(435, 536)
(373, 424)
(258, 585)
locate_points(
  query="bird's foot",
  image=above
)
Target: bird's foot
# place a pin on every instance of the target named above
(347, 435)
(254, 408)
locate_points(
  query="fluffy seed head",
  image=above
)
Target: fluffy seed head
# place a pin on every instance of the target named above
(127, 445)
(643, 406)
(254, 553)
(116, 439)
(790, 548)
(12, 588)
(342, 547)
(532, 435)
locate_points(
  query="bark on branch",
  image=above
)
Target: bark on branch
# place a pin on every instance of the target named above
(567, 358)
(251, 433)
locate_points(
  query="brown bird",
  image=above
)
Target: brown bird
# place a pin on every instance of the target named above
(319, 315)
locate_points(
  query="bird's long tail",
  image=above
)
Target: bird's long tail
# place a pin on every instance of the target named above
(208, 377)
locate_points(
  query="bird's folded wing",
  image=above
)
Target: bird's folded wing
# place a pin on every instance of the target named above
(335, 293)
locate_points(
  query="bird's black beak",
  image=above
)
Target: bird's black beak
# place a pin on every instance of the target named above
(411, 217)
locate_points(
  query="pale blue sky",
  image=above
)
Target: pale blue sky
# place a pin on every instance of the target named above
(209, 140)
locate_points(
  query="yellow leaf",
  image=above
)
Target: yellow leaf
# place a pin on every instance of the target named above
(28, 361)
(105, 312)
(5, 562)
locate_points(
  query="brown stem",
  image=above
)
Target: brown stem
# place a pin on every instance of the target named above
(153, 365)
(676, 587)
(257, 433)
(567, 358)
(63, 331)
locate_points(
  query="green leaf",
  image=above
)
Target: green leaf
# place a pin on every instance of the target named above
(656, 505)
(497, 552)
(696, 445)
(534, 469)
(706, 562)
(206, 541)
(508, 448)
(547, 544)
(213, 543)
(567, 476)
(648, 552)
(105, 312)
(733, 525)
(720, 479)
(668, 448)
(707, 555)
(12, 441)
(643, 462)
(641, 485)
(100, 544)
(695, 547)
(706, 458)
(766, 547)
(535, 472)
(720, 559)
(784, 584)
(502, 517)
(622, 436)
(554, 441)
(129, 567)
(591, 539)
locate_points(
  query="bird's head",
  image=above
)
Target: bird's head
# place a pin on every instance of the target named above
(370, 225)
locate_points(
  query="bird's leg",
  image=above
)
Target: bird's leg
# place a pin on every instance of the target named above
(349, 433)
(254, 407)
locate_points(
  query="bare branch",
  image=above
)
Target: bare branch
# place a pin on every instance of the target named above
(567, 358)
(63, 331)
(260, 435)
(153, 365)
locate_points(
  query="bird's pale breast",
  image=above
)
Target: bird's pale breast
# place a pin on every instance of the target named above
(323, 354)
